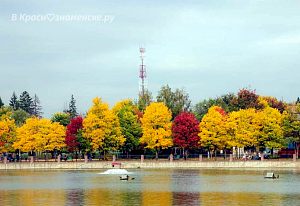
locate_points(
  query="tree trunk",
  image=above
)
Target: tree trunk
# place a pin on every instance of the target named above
(272, 152)
(156, 154)
(215, 154)
(186, 154)
(297, 150)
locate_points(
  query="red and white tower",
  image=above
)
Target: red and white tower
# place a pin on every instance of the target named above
(142, 74)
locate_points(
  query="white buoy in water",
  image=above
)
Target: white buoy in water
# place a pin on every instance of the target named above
(115, 172)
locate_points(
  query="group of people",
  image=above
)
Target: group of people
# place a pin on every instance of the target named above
(10, 157)
(253, 156)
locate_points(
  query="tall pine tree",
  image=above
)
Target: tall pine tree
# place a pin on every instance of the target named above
(14, 102)
(36, 107)
(72, 108)
(26, 102)
(1, 103)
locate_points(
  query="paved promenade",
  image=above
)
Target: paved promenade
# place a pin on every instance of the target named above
(151, 164)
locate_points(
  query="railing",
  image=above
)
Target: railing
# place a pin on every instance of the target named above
(147, 157)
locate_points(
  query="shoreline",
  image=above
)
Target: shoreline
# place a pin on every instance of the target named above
(150, 164)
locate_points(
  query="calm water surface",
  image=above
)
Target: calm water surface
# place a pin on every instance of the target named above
(203, 187)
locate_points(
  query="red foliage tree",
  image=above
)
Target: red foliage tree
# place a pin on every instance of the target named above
(72, 130)
(273, 102)
(185, 129)
(247, 99)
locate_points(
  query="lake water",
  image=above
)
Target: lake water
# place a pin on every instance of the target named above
(211, 187)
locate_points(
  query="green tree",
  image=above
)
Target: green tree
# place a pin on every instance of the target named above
(129, 123)
(14, 102)
(61, 117)
(182, 103)
(26, 102)
(144, 100)
(36, 107)
(177, 101)
(201, 108)
(84, 143)
(166, 96)
(20, 116)
(227, 101)
(6, 110)
(72, 107)
(1, 103)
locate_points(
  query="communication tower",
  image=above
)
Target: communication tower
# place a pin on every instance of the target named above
(142, 74)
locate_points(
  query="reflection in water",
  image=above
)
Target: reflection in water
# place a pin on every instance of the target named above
(186, 185)
(156, 198)
(246, 199)
(75, 197)
(156, 188)
(186, 198)
(32, 197)
(150, 187)
(104, 197)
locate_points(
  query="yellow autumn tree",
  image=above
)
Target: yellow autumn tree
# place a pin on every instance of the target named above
(40, 135)
(156, 126)
(262, 102)
(243, 128)
(271, 131)
(101, 127)
(212, 130)
(7, 133)
(121, 104)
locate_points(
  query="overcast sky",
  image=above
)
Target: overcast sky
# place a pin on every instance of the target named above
(209, 48)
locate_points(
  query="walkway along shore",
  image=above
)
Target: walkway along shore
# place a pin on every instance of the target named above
(150, 164)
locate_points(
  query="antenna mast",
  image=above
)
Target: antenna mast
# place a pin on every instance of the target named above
(142, 74)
